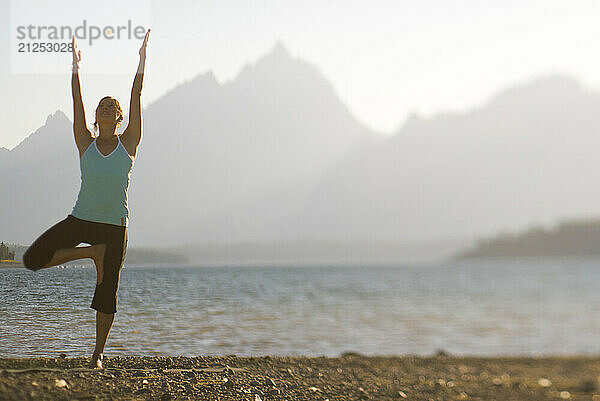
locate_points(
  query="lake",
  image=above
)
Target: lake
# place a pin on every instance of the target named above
(476, 307)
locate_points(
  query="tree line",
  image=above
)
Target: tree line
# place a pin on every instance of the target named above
(5, 252)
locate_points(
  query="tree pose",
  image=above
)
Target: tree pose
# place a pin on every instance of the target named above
(100, 216)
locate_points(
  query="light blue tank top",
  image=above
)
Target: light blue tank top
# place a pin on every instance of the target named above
(104, 183)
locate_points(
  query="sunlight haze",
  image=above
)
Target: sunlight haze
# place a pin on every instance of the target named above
(385, 60)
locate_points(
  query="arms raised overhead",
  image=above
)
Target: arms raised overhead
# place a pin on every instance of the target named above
(79, 124)
(133, 133)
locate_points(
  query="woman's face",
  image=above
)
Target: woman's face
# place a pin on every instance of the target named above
(107, 112)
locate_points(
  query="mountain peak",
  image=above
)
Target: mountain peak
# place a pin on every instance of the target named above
(57, 116)
(276, 56)
(276, 61)
(279, 51)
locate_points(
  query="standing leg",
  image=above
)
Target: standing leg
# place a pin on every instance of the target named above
(104, 322)
(105, 296)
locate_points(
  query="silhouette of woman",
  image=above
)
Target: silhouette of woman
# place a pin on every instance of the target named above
(100, 216)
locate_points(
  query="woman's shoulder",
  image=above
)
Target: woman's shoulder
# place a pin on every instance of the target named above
(129, 148)
(83, 144)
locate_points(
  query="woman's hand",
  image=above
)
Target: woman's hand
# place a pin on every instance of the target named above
(76, 51)
(143, 48)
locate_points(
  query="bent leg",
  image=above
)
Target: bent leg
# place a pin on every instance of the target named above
(68, 254)
(58, 245)
(63, 235)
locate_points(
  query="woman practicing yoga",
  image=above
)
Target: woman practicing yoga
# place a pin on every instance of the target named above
(100, 216)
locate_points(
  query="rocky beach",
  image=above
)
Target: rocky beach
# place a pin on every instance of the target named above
(348, 377)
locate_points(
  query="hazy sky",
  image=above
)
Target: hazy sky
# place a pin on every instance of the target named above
(385, 58)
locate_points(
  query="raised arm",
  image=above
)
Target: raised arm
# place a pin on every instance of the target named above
(133, 133)
(80, 130)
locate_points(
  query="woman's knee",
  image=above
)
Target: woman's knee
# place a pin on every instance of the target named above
(34, 258)
(30, 261)
(64, 234)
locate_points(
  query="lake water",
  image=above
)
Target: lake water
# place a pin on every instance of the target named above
(494, 307)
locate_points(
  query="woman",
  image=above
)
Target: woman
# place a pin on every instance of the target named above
(100, 216)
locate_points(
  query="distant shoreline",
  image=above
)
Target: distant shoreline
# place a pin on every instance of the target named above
(351, 377)
(13, 263)
(573, 237)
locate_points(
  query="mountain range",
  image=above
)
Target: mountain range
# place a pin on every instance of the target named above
(273, 156)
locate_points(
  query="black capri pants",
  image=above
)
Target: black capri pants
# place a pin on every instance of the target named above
(72, 231)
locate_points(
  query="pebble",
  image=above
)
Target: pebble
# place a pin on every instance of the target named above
(402, 394)
(565, 395)
(313, 389)
(544, 382)
(144, 381)
(463, 369)
(60, 383)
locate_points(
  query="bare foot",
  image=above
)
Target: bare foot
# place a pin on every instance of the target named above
(99, 261)
(96, 361)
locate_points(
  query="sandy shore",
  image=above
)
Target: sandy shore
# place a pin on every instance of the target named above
(349, 377)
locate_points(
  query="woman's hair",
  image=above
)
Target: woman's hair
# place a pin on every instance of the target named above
(119, 110)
